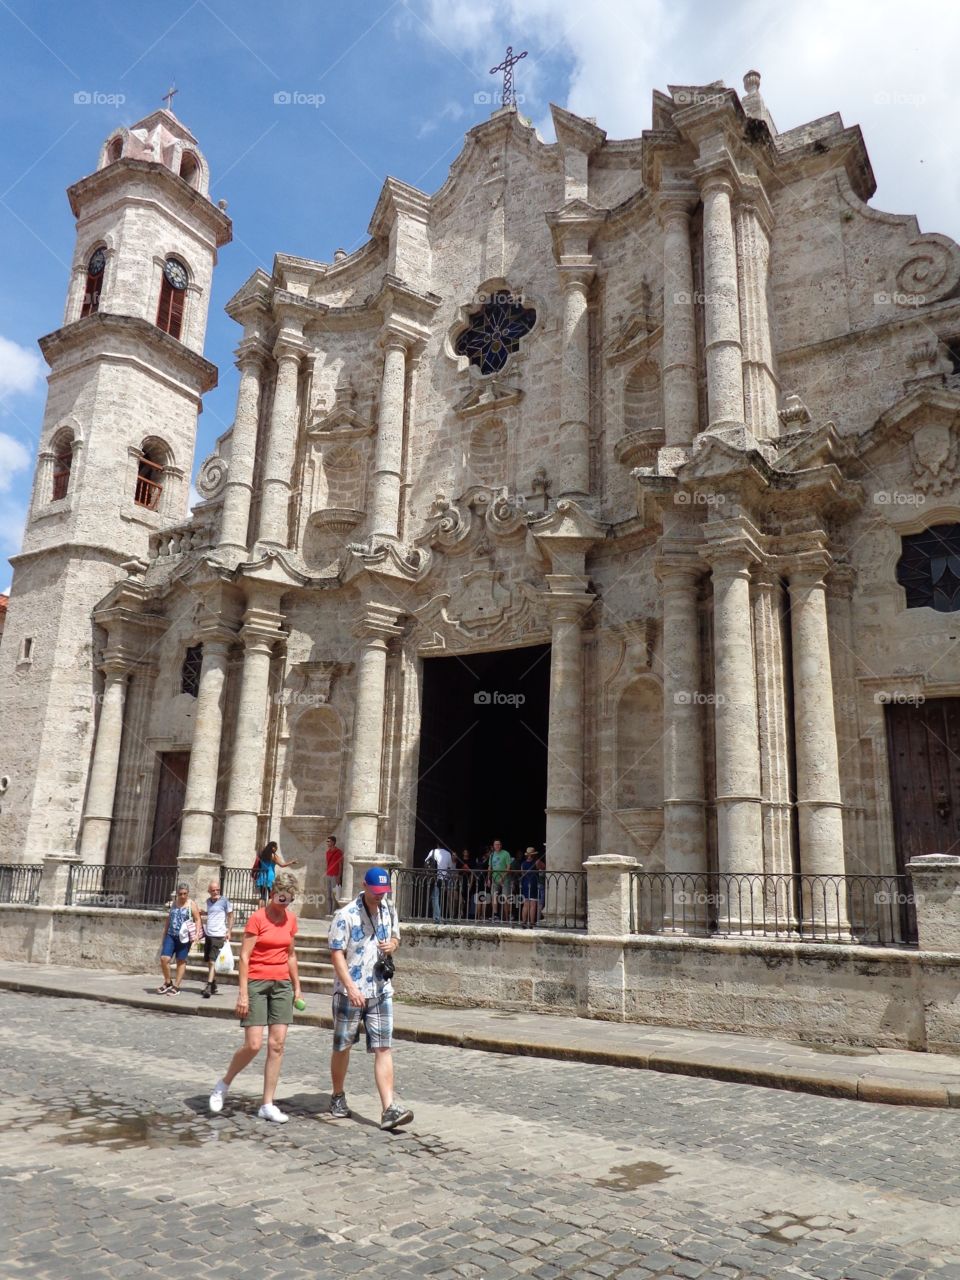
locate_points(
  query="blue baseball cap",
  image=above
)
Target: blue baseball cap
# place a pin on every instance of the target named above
(377, 880)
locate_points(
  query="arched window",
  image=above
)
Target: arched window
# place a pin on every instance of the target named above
(115, 150)
(172, 294)
(929, 568)
(190, 168)
(62, 464)
(91, 292)
(150, 467)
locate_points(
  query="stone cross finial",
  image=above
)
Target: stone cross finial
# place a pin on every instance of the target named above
(168, 97)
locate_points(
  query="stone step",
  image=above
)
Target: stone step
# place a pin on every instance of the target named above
(315, 984)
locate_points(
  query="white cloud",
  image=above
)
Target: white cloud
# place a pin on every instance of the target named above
(884, 65)
(14, 457)
(449, 111)
(20, 368)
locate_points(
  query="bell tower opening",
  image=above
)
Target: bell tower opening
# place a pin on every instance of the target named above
(482, 772)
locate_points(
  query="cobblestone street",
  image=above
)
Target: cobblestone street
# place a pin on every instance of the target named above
(110, 1166)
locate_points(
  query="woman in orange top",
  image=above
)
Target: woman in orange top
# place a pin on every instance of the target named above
(269, 984)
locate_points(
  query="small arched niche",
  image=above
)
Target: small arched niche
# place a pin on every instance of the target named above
(641, 397)
(640, 745)
(315, 760)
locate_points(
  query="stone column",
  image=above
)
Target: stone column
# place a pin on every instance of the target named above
(388, 460)
(375, 630)
(201, 794)
(245, 794)
(819, 805)
(721, 307)
(679, 358)
(565, 730)
(574, 473)
(280, 450)
(102, 787)
(759, 384)
(840, 584)
(684, 823)
(608, 893)
(772, 720)
(739, 824)
(235, 513)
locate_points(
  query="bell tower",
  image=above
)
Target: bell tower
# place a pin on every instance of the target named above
(126, 378)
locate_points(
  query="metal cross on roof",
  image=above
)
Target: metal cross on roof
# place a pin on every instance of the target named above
(168, 97)
(506, 66)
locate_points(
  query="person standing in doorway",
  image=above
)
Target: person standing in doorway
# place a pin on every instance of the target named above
(500, 865)
(217, 924)
(181, 928)
(363, 937)
(531, 886)
(441, 860)
(269, 984)
(334, 873)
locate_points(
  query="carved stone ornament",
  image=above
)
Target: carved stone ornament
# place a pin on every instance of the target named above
(931, 272)
(212, 477)
(933, 453)
(309, 684)
(483, 612)
(453, 526)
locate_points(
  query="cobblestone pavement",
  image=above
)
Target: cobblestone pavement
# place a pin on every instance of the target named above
(110, 1166)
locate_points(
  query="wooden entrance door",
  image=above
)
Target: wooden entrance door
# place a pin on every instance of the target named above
(924, 748)
(168, 815)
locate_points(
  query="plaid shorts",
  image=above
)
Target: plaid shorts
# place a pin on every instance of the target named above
(376, 1016)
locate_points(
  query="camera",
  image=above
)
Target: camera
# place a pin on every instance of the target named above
(384, 969)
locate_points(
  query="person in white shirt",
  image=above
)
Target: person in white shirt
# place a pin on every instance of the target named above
(441, 860)
(217, 924)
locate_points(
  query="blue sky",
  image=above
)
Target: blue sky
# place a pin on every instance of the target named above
(400, 82)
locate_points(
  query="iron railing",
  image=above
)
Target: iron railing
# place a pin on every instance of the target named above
(237, 884)
(873, 911)
(524, 899)
(119, 886)
(20, 883)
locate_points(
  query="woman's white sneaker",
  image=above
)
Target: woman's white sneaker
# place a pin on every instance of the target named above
(215, 1101)
(269, 1112)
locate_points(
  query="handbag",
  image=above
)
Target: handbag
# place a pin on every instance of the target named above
(188, 931)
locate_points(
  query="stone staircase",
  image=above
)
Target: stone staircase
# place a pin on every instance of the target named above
(313, 959)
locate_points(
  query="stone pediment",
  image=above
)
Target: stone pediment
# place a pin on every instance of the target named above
(492, 397)
(815, 448)
(482, 613)
(925, 406)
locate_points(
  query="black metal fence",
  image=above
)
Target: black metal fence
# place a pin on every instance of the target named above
(117, 886)
(237, 884)
(20, 883)
(524, 899)
(873, 911)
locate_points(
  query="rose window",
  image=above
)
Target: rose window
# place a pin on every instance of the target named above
(494, 332)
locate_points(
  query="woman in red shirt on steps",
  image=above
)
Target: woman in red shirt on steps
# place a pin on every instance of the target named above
(269, 984)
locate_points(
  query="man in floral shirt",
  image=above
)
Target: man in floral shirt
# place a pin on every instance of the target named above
(362, 934)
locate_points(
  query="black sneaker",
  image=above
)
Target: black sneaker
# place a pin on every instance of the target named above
(395, 1115)
(206, 992)
(338, 1107)
(213, 988)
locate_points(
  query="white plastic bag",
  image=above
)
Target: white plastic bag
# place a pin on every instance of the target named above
(224, 961)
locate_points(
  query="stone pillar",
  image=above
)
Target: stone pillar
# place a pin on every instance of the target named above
(936, 894)
(721, 308)
(565, 731)
(259, 634)
(281, 449)
(102, 787)
(843, 648)
(739, 823)
(608, 893)
(235, 513)
(375, 631)
(574, 465)
(55, 878)
(199, 802)
(777, 806)
(679, 358)
(759, 384)
(819, 805)
(388, 460)
(684, 822)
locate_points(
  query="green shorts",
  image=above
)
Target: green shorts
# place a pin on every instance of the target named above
(271, 1002)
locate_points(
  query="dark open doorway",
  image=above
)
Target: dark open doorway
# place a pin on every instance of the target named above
(482, 773)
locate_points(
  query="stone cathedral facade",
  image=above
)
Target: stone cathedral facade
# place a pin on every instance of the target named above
(633, 462)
